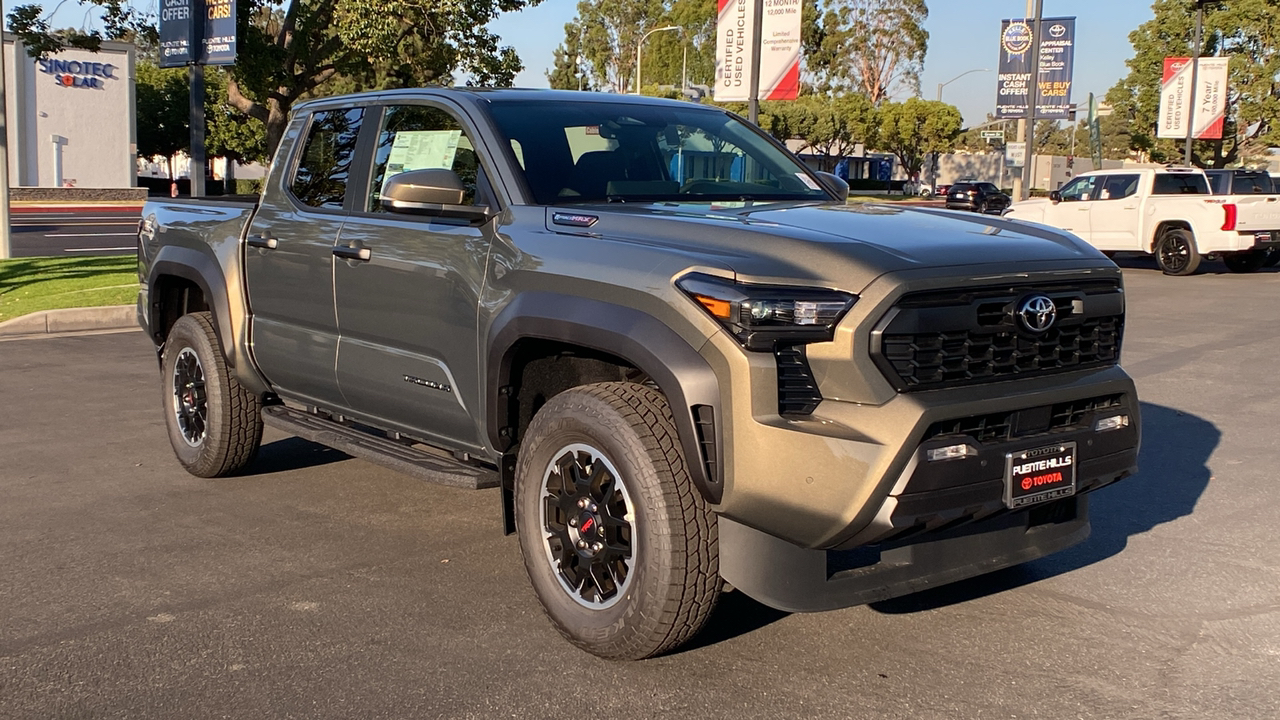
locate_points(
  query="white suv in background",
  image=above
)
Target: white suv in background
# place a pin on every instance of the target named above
(1169, 212)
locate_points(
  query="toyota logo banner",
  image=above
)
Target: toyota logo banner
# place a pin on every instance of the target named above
(1057, 54)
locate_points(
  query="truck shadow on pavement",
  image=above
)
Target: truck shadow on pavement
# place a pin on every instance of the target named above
(1173, 473)
(293, 453)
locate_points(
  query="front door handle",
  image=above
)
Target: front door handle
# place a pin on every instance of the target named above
(349, 253)
(265, 242)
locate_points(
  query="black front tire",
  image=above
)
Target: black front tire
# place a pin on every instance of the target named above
(1176, 253)
(1245, 262)
(605, 458)
(215, 425)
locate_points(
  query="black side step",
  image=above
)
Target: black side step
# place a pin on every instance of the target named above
(388, 453)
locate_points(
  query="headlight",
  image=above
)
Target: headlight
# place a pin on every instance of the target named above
(761, 316)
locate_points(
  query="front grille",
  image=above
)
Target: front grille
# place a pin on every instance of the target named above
(797, 390)
(926, 360)
(999, 427)
(949, 338)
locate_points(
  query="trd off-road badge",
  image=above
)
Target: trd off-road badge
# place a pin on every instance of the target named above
(1037, 313)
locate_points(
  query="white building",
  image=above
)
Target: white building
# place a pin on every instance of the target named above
(70, 117)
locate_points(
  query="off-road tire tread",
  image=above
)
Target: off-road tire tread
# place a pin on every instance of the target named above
(234, 444)
(695, 583)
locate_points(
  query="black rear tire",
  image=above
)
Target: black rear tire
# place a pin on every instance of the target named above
(215, 425)
(1245, 262)
(1273, 258)
(1176, 252)
(620, 547)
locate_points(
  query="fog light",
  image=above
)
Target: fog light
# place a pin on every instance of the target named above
(1115, 422)
(950, 452)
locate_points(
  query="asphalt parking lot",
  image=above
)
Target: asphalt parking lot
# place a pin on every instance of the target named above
(325, 587)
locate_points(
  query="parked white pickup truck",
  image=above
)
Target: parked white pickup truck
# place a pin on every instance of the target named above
(1168, 212)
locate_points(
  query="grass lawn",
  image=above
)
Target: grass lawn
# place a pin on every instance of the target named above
(30, 285)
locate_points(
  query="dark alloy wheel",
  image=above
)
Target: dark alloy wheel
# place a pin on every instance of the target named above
(620, 547)
(190, 405)
(1245, 262)
(215, 425)
(1176, 253)
(588, 526)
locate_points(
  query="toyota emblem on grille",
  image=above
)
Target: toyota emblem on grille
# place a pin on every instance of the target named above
(1037, 313)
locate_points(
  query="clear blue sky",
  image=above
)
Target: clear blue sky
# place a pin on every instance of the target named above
(963, 35)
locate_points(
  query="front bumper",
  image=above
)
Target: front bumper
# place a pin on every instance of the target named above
(853, 474)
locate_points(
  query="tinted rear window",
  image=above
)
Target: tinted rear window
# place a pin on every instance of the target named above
(1180, 184)
(1253, 183)
(961, 187)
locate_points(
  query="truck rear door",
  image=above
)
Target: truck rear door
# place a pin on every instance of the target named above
(289, 258)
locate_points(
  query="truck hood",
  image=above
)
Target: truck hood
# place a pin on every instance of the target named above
(844, 246)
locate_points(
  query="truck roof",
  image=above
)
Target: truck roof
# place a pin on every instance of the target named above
(1153, 170)
(487, 94)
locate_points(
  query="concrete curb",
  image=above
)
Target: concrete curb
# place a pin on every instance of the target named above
(111, 317)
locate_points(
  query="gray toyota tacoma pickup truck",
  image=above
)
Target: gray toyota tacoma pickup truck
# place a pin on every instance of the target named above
(681, 358)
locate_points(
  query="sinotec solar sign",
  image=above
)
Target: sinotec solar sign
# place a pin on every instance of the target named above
(73, 73)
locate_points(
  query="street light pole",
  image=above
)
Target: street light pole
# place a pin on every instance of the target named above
(640, 46)
(967, 72)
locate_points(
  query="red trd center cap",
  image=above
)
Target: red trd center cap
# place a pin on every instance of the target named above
(588, 523)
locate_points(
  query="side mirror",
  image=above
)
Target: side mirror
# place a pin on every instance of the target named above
(1055, 197)
(835, 184)
(434, 192)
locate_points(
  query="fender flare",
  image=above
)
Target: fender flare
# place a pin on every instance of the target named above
(683, 375)
(203, 270)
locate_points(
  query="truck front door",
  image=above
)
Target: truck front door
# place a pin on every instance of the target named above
(289, 258)
(407, 308)
(1115, 214)
(1072, 212)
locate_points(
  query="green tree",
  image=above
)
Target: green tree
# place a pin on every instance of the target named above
(609, 33)
(161, 102)
(1243, 30)
(875, 47)
(295, 49)
(828, 127)
(569, 71)
(913, 129)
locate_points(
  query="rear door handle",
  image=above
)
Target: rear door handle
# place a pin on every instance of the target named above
(349, 253)
(262, 241)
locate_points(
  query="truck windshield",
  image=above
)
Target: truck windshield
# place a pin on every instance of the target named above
(574, 152)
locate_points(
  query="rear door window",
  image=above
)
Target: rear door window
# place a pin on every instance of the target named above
(1180, 184)
(1117, 187)
(1252, 184)
(320, 179)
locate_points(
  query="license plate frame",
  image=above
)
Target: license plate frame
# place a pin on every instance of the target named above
(1035, 466)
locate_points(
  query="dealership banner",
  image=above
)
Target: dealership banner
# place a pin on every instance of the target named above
(1210, 98)
(1057, 57)
(209, 25)
(779, 46)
